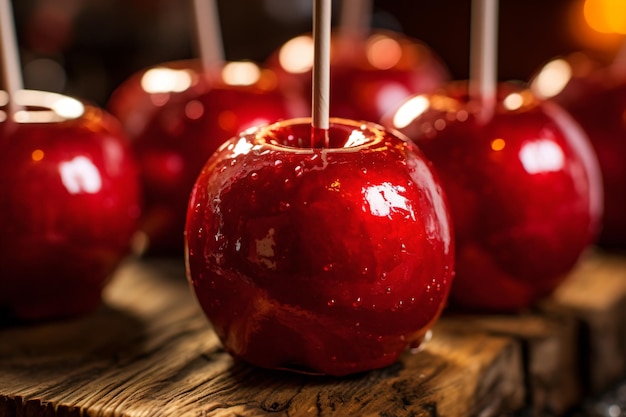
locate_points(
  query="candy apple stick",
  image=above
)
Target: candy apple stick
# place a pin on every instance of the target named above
(321, 71)
(483, 56)
(356, 16)
(208, 33)
(11, 72)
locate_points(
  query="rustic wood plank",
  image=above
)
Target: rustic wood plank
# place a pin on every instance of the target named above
(550, 352)
(594, 295)
(149, 351)
(574, 343)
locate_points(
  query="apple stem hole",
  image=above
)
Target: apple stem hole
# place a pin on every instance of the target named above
(320, 138)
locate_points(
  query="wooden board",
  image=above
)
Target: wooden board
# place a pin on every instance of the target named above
(550, 355)
(594, 295)
(150, 352)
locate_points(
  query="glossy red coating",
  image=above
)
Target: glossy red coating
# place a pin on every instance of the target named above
(173, 138)
(524, 189)
(595, 96)
(330, 260)
(69, 207)
(370, 77)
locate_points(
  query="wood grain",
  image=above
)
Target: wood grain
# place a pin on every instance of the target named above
(594, 295)
(149, 351)
(550, 353)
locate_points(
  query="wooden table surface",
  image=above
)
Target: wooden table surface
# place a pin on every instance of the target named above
(149, 351)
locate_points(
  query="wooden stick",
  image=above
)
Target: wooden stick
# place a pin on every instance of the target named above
(11, 69)
(356, 17)
(321, 70)
(483, 56)
(208, 34)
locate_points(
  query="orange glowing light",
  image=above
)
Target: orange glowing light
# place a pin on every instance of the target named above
(498, 144)
(606, 16)
(241, 73)
(579, 27)
(383, 52)
(37, 155)
(296, 56)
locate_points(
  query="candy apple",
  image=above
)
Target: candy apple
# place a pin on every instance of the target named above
(524, 188)
(174, 132)
(135, 100)
(368, 76)
(70, 205)
(328, 260)
(595, 95)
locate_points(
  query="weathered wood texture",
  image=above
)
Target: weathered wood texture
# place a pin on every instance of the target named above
(550, 356)
(594, 295)
(149, 351)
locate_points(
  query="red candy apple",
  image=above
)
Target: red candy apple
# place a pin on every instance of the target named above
(329, 260)
(174, 132)
(70, 204)
(595, 95)
(524, 189)
(369, 76)
(135, 101)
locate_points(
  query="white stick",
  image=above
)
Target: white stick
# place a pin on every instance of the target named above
(356, 17)
(321, 65)
(208, 34)
(483, 56)
(11, 70)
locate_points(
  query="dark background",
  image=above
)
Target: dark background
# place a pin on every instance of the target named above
(87, 47)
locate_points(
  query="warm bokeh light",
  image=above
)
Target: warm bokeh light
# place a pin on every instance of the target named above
(513, 101)
(241, 73)
(409, 111)
(45, 107)
(606, 16)
(552, 78)
(37, 155)
(296, 56)
(166, 80)
(194, 109)
(583, 34)
(383, 52)
(439, 124)
(498, 144)
(4, 98)
(40, 116)
(67, 107)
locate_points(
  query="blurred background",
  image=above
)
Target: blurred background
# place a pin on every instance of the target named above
(87, 47)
